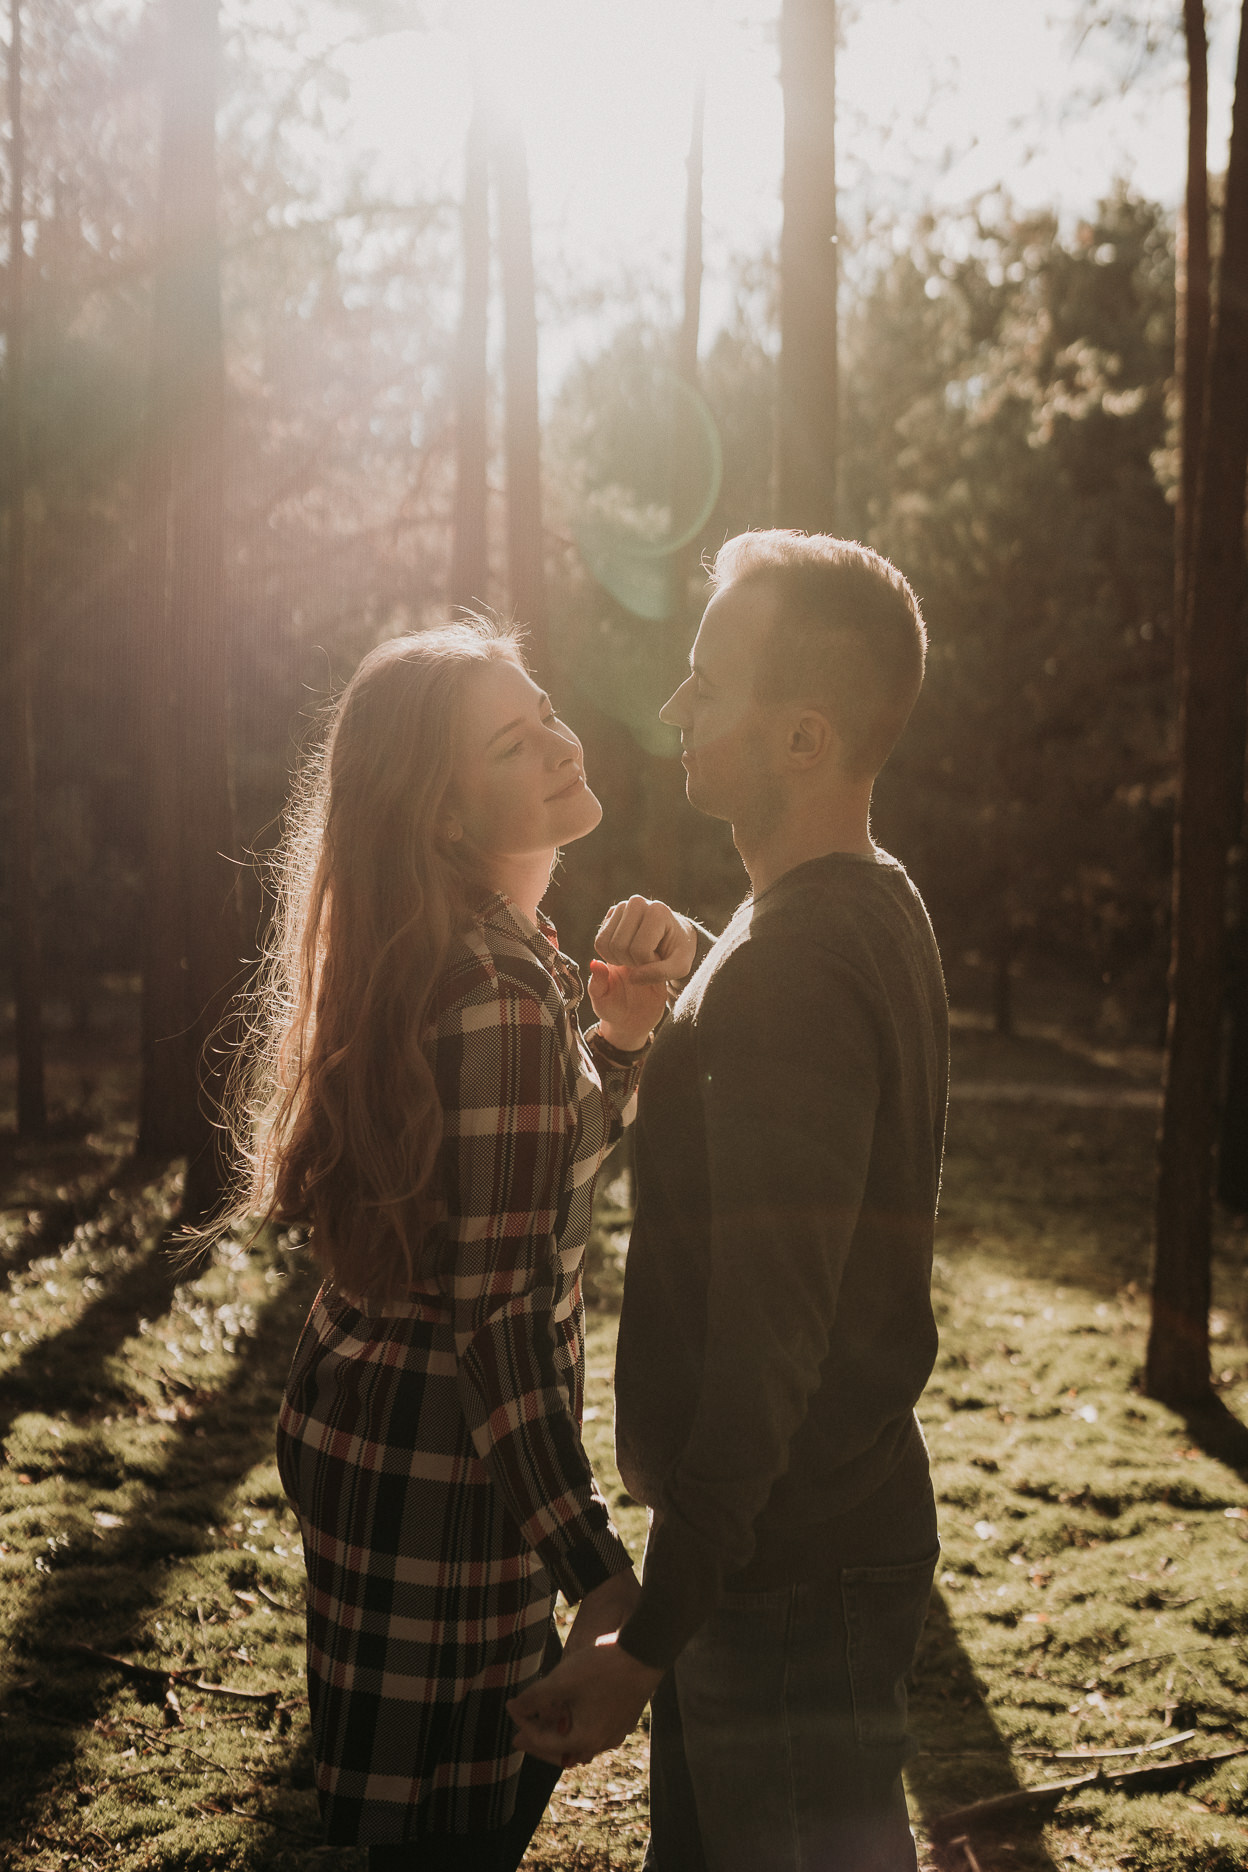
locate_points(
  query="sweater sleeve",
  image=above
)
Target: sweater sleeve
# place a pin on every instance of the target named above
(789, 1065)
(511, 1119)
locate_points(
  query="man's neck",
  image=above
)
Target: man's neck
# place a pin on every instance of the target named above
(844, 826)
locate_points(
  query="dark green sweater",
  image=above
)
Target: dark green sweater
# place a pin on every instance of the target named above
(777, 1326)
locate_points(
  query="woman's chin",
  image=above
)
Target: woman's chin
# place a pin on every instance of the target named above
(584, 812)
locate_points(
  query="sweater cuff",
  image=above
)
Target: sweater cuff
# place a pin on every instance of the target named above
(680, 1588)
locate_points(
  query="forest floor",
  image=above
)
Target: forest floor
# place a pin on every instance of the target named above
(1091, 1610)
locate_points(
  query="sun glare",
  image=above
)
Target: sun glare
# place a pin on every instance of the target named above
(938, 100)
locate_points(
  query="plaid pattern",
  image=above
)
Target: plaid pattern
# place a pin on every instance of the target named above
(433, 1449)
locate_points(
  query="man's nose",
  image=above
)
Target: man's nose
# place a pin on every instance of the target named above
(673, 711)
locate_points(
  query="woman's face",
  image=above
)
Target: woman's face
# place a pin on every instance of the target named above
(518, 788)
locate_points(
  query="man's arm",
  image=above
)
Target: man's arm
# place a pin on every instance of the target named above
(789, 1058)
(789, 1061)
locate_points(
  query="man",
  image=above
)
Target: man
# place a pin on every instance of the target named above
(777, 1327)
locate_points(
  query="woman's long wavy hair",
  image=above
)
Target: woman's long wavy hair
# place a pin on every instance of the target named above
(341, 1118)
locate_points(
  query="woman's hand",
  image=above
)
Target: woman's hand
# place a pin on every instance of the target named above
(589, 1703)
(627, 1010)
(643, 945)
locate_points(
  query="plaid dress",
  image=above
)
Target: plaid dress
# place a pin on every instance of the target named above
(432, 1447)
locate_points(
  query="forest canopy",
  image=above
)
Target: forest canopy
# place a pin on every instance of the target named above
(1006, 436)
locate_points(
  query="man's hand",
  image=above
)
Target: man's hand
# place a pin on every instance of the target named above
(602, 1612)
(654, 943)
(590, 1702)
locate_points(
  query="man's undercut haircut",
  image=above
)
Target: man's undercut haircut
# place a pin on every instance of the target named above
(849, 636)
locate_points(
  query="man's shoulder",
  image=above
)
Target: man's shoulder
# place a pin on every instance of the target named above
(854, 923)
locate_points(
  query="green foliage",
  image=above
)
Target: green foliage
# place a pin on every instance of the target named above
(1006, 391)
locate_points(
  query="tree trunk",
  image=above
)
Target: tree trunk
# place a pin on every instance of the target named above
(664, 776)
(469, 577)
(686, 559)
(193, 877)
(27, 970)
(165, 1089)
(526, 571)
(1193, 305)
(1209, 804)
(165, 1095)
(807, 431)
(691, 310)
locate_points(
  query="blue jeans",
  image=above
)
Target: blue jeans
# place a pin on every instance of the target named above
(778, 1739)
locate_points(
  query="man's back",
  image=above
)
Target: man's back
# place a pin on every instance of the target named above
(777, 1326)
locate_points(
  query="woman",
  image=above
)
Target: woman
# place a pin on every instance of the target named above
(427, 1102)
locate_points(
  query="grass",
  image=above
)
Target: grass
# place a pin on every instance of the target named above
(1093, 1590)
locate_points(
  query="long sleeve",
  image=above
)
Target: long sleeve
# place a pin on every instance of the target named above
(505, 1074)
(619, 1074)
(789, 1071)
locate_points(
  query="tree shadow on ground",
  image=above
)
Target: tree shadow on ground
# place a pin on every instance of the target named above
(59, 1694)
(54, 1221)
(963, 1756)
(67, 1371)
(1215, 1429)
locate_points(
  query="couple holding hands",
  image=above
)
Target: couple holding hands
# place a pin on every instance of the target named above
(428, 1100)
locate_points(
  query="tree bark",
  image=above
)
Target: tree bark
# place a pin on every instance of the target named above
(807, 428)
(691, 304)
(664, 777)
(469, 576)
(686, 559)
(1209, 804)
(1193, 302)
(27, 970)
(165, 1095)
(200, 914)
(526, 571)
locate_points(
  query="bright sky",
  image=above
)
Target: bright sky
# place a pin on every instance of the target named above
(938, 99)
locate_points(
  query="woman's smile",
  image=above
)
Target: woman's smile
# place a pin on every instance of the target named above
(577, 781)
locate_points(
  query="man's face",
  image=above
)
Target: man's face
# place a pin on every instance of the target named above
(731, 742)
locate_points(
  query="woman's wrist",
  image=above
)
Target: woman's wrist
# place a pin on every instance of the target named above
(622, 1040)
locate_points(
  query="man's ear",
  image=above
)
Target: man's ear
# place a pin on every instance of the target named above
(812, 740)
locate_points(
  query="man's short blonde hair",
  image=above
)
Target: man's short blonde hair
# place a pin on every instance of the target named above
(849, 635)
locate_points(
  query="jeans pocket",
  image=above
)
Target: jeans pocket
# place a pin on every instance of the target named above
(884, 1607)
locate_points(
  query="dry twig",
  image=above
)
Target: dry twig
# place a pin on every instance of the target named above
(1043, 1799)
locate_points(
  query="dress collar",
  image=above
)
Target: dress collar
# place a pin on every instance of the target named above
(501, 913)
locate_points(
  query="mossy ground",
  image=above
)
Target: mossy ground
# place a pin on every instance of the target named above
(1093, 1591)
